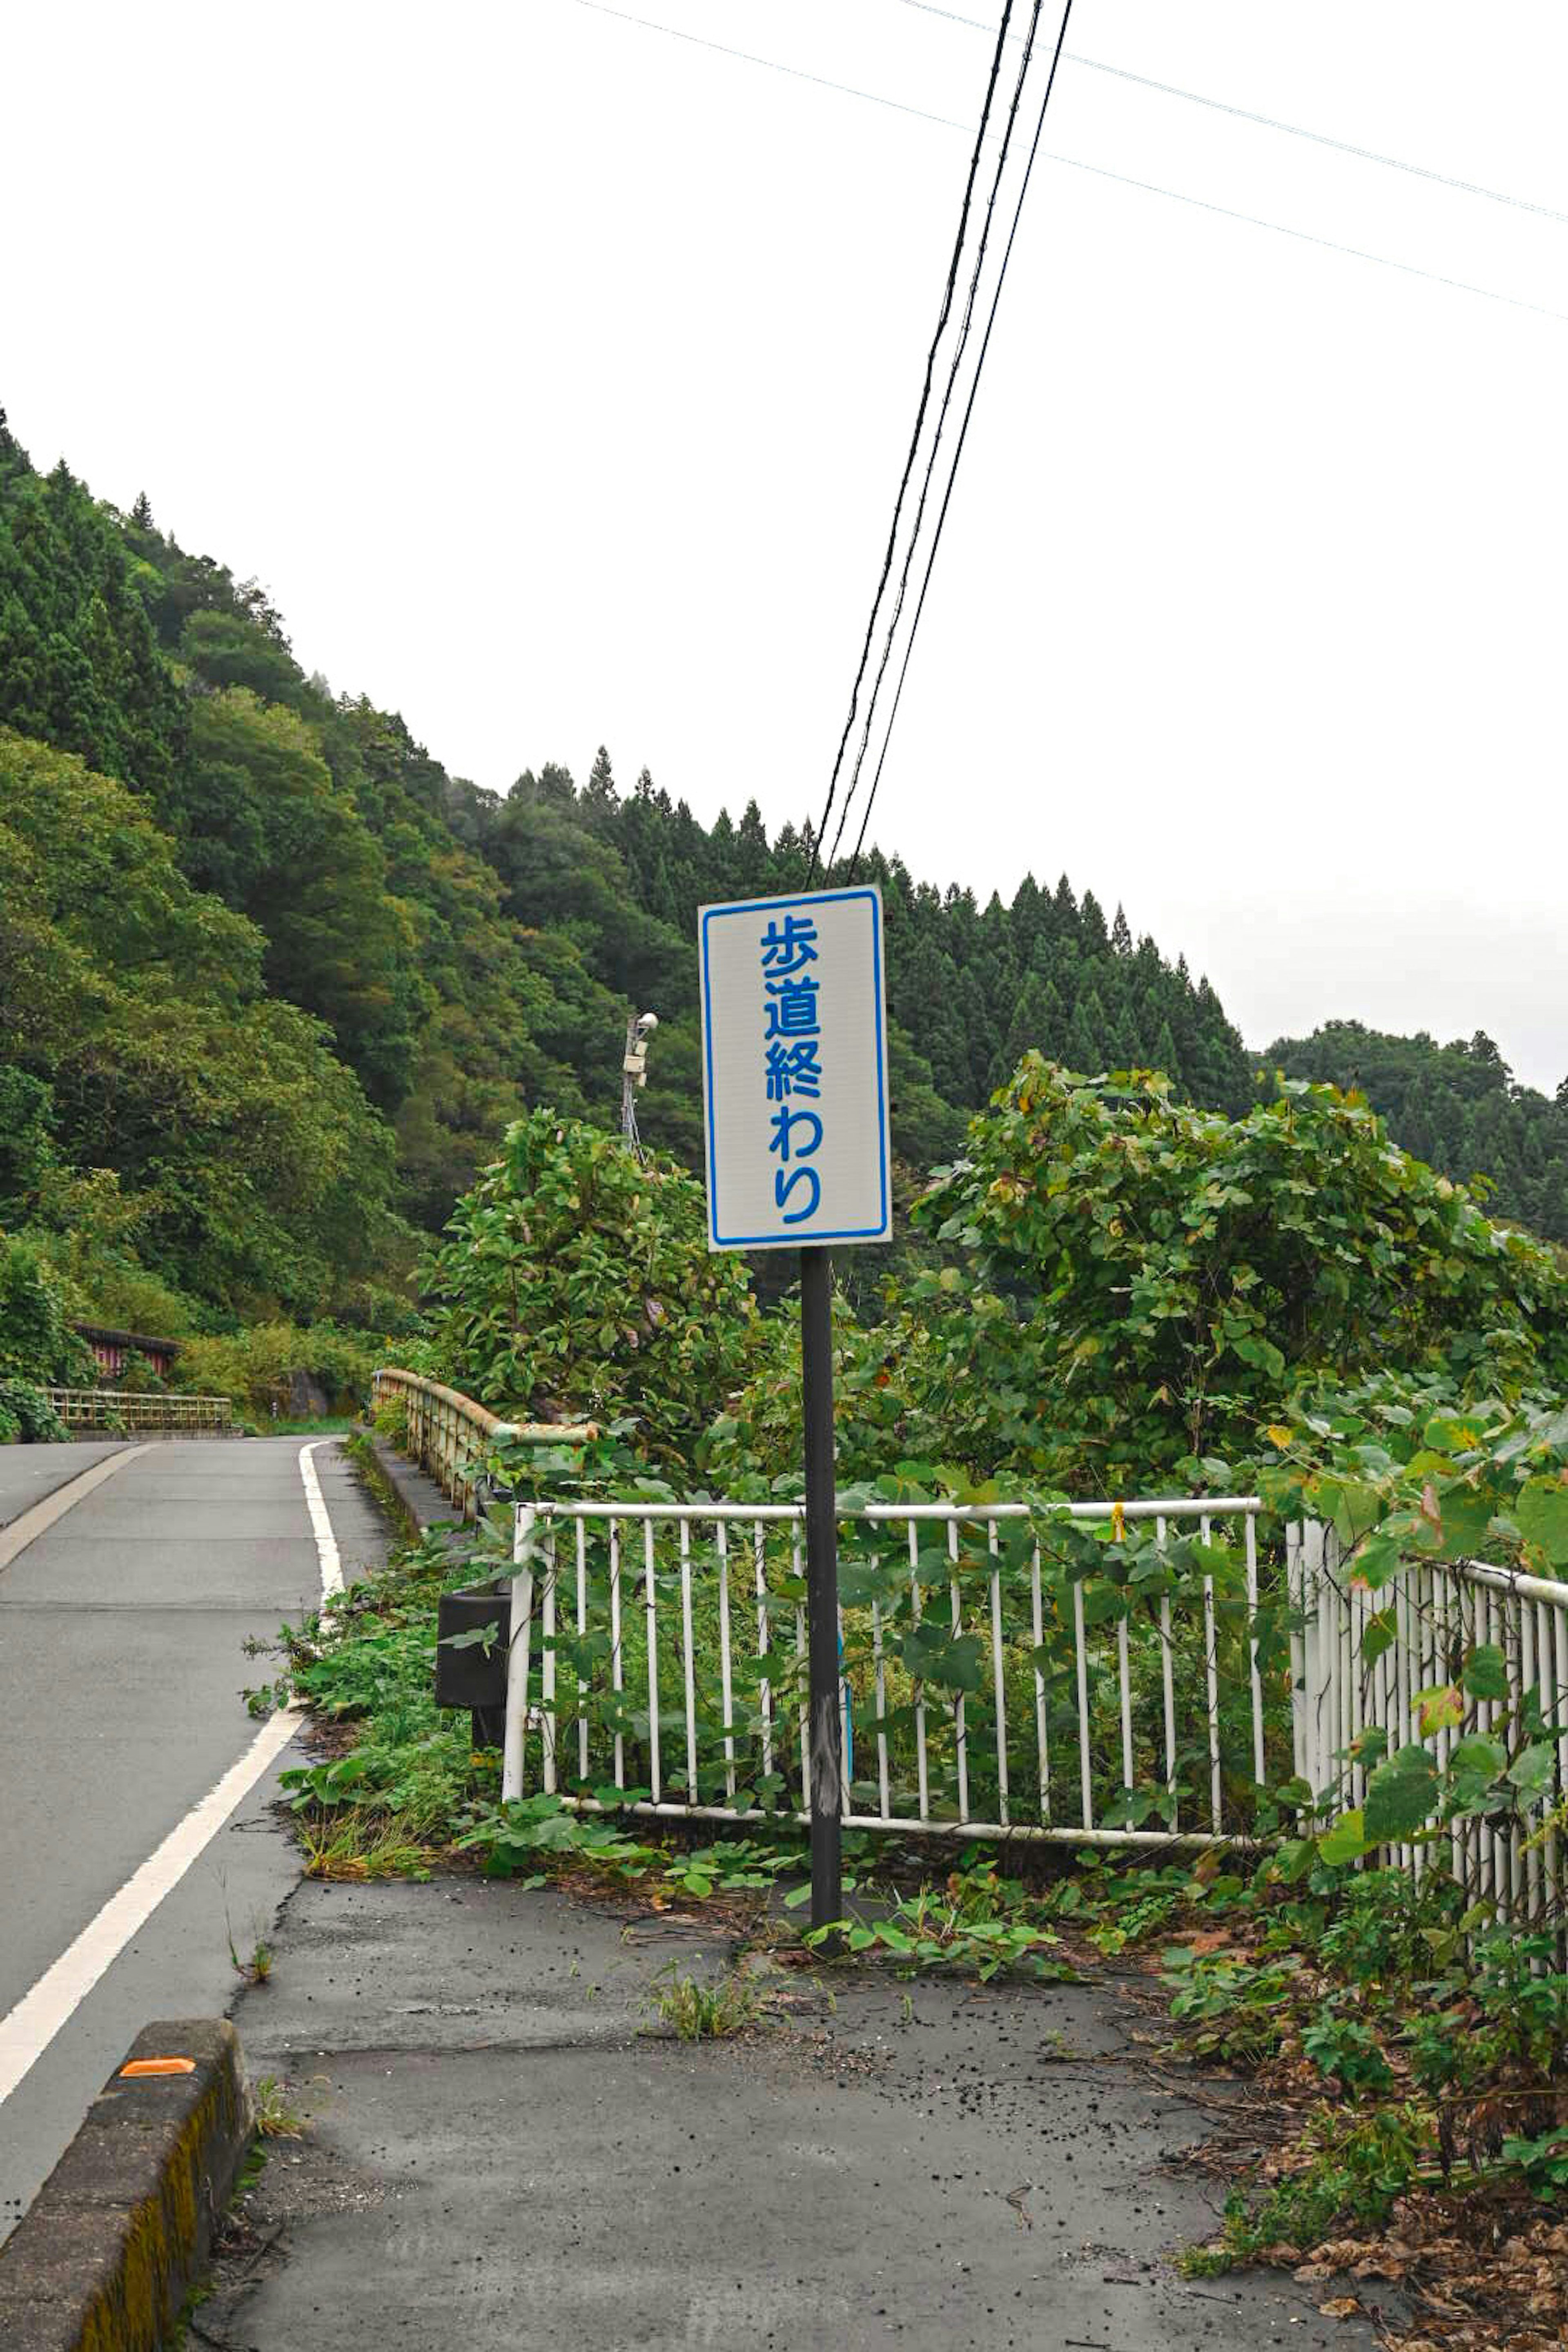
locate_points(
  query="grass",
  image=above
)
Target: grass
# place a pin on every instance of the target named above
(275, 2118)
(696, 2011)
(257, 1969)
(329, 1425)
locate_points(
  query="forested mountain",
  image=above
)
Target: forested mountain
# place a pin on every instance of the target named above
(268, 964)
(1455, 1105)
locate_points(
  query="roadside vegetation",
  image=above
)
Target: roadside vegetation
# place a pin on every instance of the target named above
(1135, 1296)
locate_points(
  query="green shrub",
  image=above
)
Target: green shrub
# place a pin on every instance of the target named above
(578, 1282)
(26, 1413)
(38, 1345)
(254, 1365)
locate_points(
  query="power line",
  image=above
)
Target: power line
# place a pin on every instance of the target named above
(1268, 121)
(945, 313)
(796, 73)
(960, 347)
(1150, 187)
(1307, 236)
(1321, 139)
(962, 432)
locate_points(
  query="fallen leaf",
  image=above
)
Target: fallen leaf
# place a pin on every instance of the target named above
(1341, 2307)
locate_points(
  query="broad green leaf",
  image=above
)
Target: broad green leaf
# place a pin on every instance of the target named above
(1378, 1636)
(1533, 1773)
(1400, 1795)
(1485, 1672)
(1346, 1842)
(1378, 1561)
(1441, 1708)
(1540, 1507)
(1477, 1758)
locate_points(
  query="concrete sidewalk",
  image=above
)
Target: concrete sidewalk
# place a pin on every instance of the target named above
(506, 2150)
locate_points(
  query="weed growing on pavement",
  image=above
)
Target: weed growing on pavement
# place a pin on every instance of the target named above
(699, 2011)
(928, 1930)
(257, 1969)
(275, 2118)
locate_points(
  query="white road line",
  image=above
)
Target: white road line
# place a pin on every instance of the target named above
(315, 1503)
(31, 1524)
(39, 2016)
(28, 2030)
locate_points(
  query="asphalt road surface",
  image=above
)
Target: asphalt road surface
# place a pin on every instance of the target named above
(123, 1665)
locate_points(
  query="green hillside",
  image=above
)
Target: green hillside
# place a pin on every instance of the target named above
(273, 983)
(1455, 1106)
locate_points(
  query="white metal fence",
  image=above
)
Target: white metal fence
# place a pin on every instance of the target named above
(657, 1663)
(142, 1410)
(451, 1436)
(1441, 1614)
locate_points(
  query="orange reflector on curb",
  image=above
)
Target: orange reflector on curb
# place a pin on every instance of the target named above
(159, 2066)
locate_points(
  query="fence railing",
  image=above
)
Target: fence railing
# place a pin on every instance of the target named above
(135, 1409)
(1441, 1614)
(983, 1693)
(451, 1436)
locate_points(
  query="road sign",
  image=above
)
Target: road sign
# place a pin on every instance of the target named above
(794, 1058)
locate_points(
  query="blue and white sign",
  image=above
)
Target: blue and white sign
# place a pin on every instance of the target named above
(794, 1059)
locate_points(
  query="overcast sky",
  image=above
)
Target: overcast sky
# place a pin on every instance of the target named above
(555, 374)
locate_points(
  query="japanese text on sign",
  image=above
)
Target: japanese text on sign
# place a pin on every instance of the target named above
(794, 1070)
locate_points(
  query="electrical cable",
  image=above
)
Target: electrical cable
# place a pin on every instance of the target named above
(1307, 237)
(796, 73)
(962, 435)
(1150, 187)
(946, 312)
(1268, 121)
(959, 348)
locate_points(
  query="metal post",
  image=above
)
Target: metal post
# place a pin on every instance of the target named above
(821, 1585)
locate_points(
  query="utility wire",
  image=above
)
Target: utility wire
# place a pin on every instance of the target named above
(1150, 187)
(944, 315)
(960, 347)
(1307, 236)
(963, 433)
(796, 73)
(1268, 121)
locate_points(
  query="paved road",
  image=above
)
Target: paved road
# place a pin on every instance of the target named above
(28, 1473)
(121, 1666)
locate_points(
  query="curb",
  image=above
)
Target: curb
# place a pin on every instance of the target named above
(122, 2228)
(417, 1497)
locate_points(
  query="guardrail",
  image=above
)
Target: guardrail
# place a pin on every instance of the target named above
(1441, 1613)
(141, 1409)
(449, 1435)
(1050, 1719)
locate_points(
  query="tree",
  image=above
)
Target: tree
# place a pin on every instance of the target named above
(578, 1283)
(1177, 1273)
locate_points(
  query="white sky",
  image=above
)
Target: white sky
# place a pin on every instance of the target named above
(555, 374)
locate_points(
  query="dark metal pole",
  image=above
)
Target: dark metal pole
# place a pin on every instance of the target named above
(822, 1586)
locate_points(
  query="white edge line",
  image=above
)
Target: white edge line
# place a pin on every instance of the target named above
(28, 2030)
(315, 1503)
(39, 2016)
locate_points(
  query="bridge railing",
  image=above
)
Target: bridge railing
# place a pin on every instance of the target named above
(142, 1410)
(449, 1435)
(657, 1657)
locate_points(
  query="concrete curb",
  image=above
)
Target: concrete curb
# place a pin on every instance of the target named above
(417, 1496)
(122, 2226)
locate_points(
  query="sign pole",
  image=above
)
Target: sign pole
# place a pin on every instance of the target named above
(821, 1587)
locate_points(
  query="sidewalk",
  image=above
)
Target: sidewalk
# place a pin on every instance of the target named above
(505, 2149)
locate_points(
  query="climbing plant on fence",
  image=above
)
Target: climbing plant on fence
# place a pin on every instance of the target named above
(1414, 1478)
